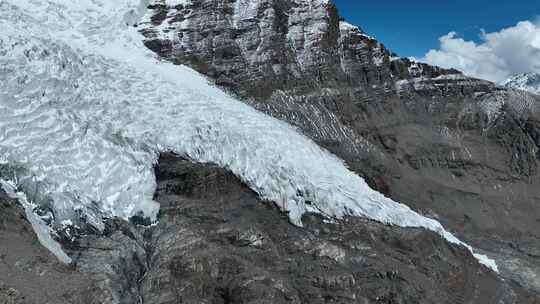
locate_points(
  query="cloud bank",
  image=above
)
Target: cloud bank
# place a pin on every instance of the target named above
(499, 55)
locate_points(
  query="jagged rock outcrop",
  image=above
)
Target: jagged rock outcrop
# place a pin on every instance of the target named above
(216, 242)
(258, 47)
(462, 150)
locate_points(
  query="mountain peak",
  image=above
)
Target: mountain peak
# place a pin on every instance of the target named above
(527, 81)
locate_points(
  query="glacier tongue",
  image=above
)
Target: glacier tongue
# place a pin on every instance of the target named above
(86, 109)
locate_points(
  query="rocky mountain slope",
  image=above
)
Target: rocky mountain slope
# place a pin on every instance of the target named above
(528, 82)
(462, 150)
(217, 242)
(459, 150)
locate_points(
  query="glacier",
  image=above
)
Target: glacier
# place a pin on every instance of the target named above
(85, 110)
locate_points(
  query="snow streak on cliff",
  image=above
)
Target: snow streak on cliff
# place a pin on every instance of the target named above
(85, 110)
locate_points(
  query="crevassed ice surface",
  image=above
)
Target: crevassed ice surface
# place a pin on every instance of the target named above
(85, 109)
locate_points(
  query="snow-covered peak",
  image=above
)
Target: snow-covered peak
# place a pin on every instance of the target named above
(527, 82)
(345, 26)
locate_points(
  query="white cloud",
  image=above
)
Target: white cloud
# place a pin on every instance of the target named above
(499, 55)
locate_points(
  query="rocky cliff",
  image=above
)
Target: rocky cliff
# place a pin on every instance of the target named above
(461, 150)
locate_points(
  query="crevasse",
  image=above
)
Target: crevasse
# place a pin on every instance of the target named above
(85, 109)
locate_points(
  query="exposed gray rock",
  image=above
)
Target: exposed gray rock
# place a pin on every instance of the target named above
(216, 242)
(355, 261)
(459, 149)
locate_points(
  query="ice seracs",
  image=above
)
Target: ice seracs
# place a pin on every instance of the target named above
(85, 109)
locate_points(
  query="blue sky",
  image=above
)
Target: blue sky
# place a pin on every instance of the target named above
(412, 28)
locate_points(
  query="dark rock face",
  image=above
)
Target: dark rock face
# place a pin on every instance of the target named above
(458, 149)
(237, 249)
(29, 273)
(216, 242)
